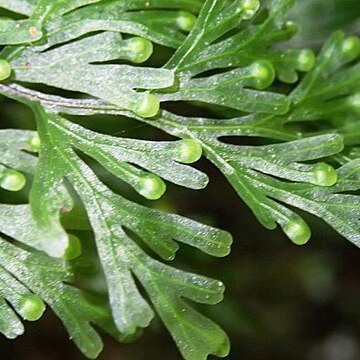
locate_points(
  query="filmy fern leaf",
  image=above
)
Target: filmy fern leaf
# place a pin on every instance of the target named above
(89, 57)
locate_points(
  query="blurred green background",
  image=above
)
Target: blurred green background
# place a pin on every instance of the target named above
(282, 302)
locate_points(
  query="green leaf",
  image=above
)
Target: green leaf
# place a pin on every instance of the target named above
(89, 57)
(230, 89)
(157, 23)
(25, 7)
(121, 257)
(115, 83)
(19, 32)
(24, 273)
(15, 146)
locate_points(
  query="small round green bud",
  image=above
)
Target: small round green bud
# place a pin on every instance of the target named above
(147, 106)
(35, 143)
(249, 8)
(263, 74)
(73, 249)
(288, 76)
(140, 49)
(351, 47)
(324, 175)
(12, 180)
(31, 307)
(188, 151)
(297, 230)
(151, 187)
(5, 70)
(292, 27)
(185, 21)
(306, 60)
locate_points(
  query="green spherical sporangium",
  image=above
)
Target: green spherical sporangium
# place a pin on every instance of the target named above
(35, 143)
(263, 74)
(147, 106)
(351, 47)
(5, 70)
(297, 230)
(249, 8)
(306, 60)
(324, 175)
(151, 187)
(185, 21)
(31, 307)
(12, 180)
(140, 49)
(188, 151)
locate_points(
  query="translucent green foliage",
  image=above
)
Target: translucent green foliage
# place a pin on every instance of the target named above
(19, 31)
(250, 170)
(231, 89)
(160, 21)
(25, 7)
(28, 277)
(223, 56)
(17, 222)
(14, 147)
(120, 256)
(114, 83)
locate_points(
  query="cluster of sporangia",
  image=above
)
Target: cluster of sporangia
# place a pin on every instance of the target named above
(31, 307)
(152, 187)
